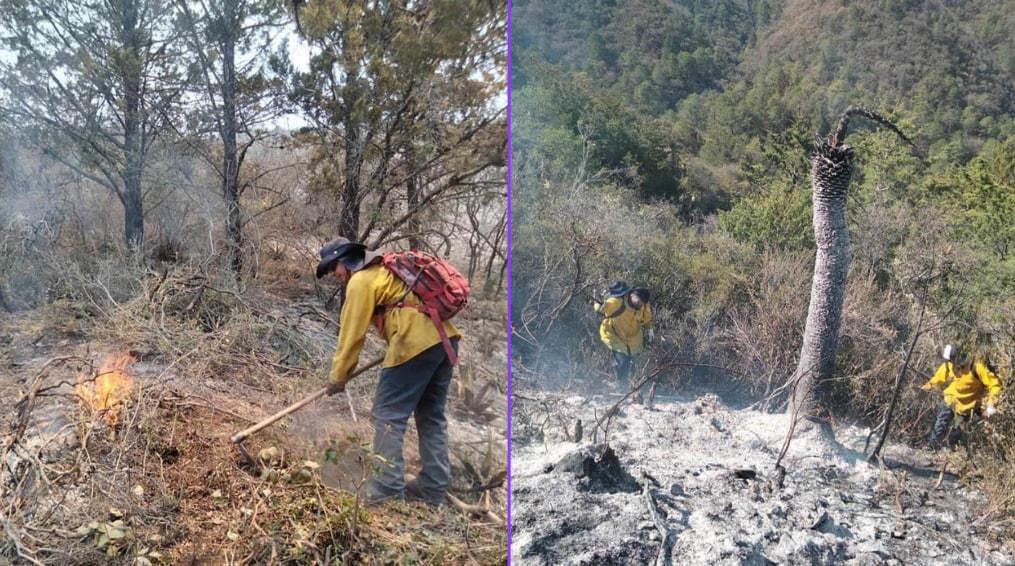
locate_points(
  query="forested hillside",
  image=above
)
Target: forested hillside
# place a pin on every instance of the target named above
(666, 143)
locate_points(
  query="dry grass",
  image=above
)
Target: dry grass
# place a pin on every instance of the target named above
(165, 485)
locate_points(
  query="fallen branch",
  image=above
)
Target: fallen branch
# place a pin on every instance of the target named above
(213, 408)
(614, 409)
(663, 557)
(19, 547)
(476, 510)
(792, 423)
(897, 388)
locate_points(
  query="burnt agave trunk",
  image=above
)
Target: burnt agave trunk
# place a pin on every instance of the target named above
(831, 171)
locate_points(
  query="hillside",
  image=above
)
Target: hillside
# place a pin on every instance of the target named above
(671, 150)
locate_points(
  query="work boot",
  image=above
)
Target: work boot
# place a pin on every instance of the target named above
(414, 491)
(373, 496)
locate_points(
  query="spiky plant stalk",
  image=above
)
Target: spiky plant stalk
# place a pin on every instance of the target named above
(831, 170)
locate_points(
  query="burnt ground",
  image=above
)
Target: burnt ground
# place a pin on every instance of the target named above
(708, 470)
(168, 482)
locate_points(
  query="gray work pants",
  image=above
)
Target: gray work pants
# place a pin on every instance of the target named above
(418, 386)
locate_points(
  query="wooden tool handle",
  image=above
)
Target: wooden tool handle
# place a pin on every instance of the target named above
(240, 436)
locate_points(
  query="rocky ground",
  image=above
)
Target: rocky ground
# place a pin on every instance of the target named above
(692, 481)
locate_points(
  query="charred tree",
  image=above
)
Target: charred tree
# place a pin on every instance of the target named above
(831, 171)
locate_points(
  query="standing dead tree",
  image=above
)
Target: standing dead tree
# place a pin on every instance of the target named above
(831, 171)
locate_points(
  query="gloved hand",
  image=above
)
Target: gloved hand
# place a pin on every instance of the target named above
(596, 305)
(651, 335)
(990, 411)
(336, 386)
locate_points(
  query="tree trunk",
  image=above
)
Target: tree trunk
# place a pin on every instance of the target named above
(348, 222)
(133, 210)
(831, 169)
(411, 202)
(133, 142)
(817, 356)
(500, 233)
(230, 162)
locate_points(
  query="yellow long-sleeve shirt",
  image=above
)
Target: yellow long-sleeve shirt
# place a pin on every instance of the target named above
(965, 390)
(407, 331)
(624, 332)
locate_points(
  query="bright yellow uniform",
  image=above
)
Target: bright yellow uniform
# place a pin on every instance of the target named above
(623, 327)
(406, 330)
(965, 391)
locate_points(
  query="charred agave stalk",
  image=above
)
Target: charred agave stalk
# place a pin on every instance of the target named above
(831, 170)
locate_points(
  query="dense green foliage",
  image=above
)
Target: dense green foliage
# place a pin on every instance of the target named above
(713, 106)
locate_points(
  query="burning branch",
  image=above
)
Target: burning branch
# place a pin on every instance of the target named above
(109, 388)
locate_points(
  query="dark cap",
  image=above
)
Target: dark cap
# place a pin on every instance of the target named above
(618, 289)
(334, 251)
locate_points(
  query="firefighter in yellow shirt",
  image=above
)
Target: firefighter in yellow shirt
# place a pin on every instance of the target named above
(969, 384)
(416, 372)
(626, 327)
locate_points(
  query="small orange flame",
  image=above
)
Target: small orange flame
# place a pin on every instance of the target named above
(110, 387)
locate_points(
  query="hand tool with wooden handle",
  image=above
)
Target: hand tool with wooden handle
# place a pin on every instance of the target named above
(243, 434)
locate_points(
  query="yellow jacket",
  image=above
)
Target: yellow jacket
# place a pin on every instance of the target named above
(406, 330)
(965, 391)
(624, 332)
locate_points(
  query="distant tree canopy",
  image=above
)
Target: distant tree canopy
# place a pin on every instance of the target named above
(673, 94)
(402, 101)
(406, 90)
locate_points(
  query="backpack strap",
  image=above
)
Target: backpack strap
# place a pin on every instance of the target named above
(972, 370)
(618, 312)
(452, 356)
(401, 300)
(380, 310)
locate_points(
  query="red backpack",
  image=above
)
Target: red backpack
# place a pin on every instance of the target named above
(441, 289)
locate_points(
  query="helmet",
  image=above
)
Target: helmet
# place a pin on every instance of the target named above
(957, 355)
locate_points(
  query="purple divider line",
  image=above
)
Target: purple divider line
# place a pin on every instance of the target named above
(508, 522)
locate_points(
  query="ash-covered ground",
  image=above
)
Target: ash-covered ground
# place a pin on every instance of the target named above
(713, 496)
